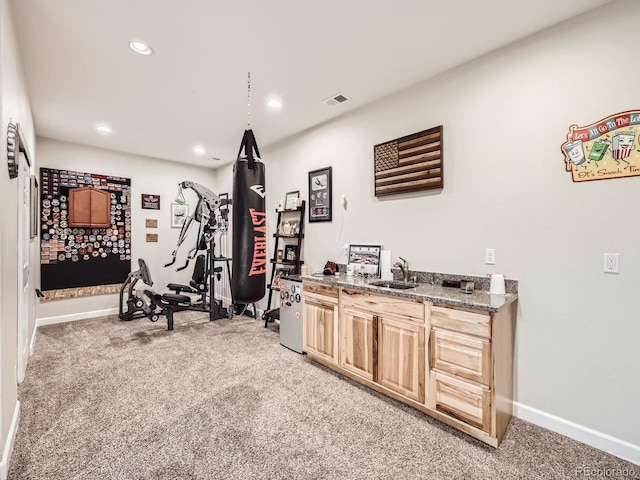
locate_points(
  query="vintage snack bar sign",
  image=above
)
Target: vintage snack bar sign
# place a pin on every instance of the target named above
(605, 149)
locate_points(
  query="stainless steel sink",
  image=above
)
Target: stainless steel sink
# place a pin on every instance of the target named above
(392, 284)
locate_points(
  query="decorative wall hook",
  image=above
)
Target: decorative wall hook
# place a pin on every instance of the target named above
(13, 141)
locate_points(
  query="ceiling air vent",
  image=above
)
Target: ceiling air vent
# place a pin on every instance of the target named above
(335, 100)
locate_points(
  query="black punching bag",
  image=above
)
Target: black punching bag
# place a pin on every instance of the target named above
(249, 224)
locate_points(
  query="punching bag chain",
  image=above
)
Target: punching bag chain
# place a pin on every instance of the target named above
(249, 99)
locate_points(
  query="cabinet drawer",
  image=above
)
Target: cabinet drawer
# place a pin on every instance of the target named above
(405, 308)
(320, 290)
(461, 355)
(462, 400)
(462, 321)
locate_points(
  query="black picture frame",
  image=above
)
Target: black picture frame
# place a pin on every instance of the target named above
(290, 253)
(320, 198)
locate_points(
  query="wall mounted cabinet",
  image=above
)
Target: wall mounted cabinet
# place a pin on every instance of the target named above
(89, 207)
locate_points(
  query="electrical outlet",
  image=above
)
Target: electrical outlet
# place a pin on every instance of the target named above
(611, 263)
(490, 256)
(345, 249)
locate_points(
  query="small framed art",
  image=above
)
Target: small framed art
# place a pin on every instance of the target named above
(291, 200)
(290, 253)
(320, 195)
(179, 214)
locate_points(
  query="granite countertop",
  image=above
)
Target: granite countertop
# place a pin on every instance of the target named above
(478, 300)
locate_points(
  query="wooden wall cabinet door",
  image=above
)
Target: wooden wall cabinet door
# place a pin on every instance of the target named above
(358, 343)
(401, 357)
(320, 329)
(89, 207)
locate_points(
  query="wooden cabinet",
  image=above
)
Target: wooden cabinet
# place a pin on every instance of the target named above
(359, 342)
(471, 355)
(382, 339)
(320, 322)
(89, 207)
(401, 357)
(452, 363)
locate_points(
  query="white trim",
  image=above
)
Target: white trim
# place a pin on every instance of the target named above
(75, 316)
(32, 343)
(601, 441)
(8, 446)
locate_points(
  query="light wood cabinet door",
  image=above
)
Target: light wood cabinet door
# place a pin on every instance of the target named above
(463, 400)
(401, 357)
(358, 343)
(320, 329)
(462, 355)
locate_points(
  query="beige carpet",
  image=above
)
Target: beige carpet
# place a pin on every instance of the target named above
(105, 399)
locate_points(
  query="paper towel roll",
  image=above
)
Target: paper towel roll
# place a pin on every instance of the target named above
(385, 265)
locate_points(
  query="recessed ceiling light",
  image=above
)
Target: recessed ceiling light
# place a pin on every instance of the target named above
(198, 150)
(104, 129)
(140, 47)
(274, 103)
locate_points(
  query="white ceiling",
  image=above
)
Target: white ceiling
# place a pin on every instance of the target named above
(193, 90)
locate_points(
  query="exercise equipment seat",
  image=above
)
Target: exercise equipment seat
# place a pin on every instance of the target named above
(198, 283)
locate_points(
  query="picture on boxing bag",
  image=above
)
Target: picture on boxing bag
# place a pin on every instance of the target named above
(249, 224)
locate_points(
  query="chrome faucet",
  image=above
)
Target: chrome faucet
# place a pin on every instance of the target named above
(404, 268)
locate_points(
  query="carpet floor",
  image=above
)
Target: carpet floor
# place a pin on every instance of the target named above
(105, 399)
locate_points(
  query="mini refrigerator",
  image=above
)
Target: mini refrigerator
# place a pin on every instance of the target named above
(291, 313)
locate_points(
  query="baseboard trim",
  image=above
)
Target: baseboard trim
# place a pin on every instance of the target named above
(615, 446)
(75, 316)
(8, 446)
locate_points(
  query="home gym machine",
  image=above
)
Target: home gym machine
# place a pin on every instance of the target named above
(139, 304)
(211, 213)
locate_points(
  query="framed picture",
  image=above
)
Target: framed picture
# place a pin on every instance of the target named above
(290, 253)
(320, 195)
(150, 201)
(365, 259)
(277, 278)
(286, 228)
(179, 214)
(291, 200)
(280, 255)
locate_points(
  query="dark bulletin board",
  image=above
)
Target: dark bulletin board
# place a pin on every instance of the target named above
(83, 256)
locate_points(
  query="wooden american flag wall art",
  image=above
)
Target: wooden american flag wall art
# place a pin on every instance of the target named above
(409, 164)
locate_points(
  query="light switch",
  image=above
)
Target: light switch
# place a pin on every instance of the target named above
(490, 256)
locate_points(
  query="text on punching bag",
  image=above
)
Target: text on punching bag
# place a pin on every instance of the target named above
(259, 262)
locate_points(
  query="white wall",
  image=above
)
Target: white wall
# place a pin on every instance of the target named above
(505, 116)
(149, 176)
(15, 105)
